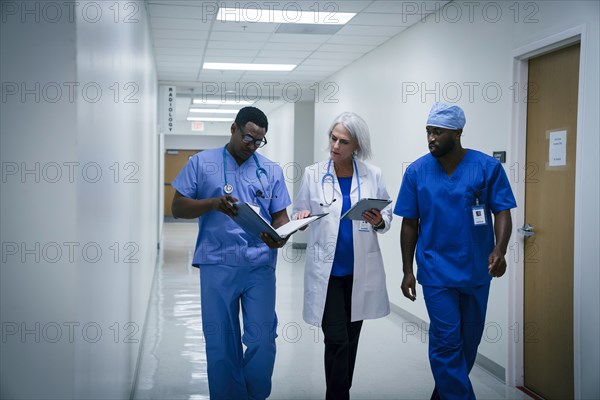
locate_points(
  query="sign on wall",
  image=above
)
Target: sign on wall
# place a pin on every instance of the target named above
(167, 105)
(198, 126)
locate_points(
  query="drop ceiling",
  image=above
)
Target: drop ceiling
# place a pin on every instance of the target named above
(186, 34)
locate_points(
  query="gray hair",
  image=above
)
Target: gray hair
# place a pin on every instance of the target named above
(358, 129)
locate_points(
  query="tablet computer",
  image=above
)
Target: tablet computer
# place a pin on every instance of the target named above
(356, 211)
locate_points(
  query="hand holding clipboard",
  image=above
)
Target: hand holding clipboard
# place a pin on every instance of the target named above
(249, 219)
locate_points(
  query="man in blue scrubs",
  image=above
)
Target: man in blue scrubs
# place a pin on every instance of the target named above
(447, 199)
(235, 267)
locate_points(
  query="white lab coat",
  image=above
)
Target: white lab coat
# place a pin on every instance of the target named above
(369, 293)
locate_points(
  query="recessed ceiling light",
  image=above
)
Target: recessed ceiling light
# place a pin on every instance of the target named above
(249, 67)
(291, 15)
(213, 110)
(210, 119)
(223, 102)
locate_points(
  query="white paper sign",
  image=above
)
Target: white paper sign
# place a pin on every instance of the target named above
(558, 149)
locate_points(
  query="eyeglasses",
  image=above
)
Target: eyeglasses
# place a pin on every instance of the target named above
(246, 138)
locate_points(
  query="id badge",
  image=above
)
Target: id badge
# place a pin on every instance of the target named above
(479, 215)
(364, 226)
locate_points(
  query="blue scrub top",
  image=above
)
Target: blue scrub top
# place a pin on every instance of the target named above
(343, 259)
(451, 250)
(220, 239)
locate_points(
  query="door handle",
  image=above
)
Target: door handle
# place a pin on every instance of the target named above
(526, 230)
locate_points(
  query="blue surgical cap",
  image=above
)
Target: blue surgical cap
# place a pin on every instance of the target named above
(447, 116)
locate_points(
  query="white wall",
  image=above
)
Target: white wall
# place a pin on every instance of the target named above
(215, 134)
(280, 137)
(194, 142)
(184, 127)
(85, 311)
(463, 54)
(36, 210)
(304, 122)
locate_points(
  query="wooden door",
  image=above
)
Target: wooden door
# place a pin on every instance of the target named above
(549, 208)
(175, 160)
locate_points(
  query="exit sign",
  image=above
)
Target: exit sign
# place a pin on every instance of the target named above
(197, 126)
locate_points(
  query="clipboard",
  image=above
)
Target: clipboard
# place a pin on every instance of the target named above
(355, 212)
(249, 219)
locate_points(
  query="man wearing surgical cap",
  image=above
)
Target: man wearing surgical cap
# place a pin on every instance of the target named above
(447, 199)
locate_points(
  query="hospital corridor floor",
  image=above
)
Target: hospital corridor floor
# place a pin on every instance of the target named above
(392, 358)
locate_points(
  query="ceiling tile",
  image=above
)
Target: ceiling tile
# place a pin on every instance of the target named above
(278, 60)
(283, 53)
(241, 37)
(386, 19)
(405, 7)
(187, 11)
(214, 44)
(344, 6)
(295, 38)
(181, 43)
(369, 30)
(185, 34)
(179, 34)
(296, 46)
(350, 39)
(215, 53)
(292, 6)
(308, 29)
(244, 27)
(327, 55)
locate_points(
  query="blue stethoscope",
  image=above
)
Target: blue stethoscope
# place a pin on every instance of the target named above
(228, 188)
(328, 176)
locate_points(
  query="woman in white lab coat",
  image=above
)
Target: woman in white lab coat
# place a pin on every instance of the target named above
(344, 278)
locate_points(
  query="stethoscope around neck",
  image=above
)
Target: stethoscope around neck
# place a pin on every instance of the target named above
(228, 187)
(328, 175)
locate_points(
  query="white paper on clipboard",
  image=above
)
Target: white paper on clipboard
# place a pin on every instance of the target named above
(249, 219)
(356, 211)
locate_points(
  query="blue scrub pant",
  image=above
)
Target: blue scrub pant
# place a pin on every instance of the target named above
(457, 320)
(234, 374)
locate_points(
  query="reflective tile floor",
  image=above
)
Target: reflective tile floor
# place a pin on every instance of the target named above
(173, 362)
